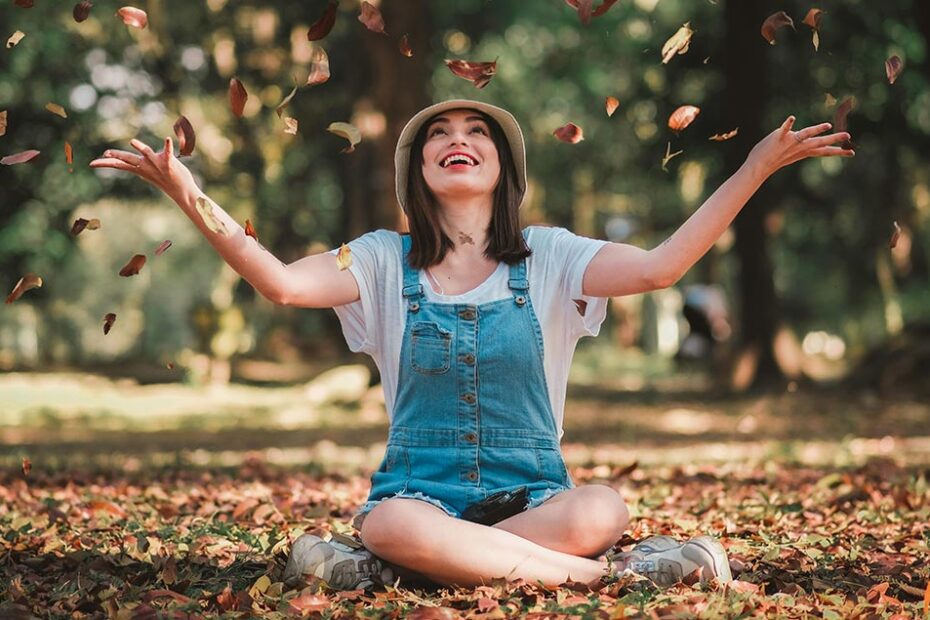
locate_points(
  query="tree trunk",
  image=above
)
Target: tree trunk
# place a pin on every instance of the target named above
(746, 99)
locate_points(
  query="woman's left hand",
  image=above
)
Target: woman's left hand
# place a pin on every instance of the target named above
(784, 146)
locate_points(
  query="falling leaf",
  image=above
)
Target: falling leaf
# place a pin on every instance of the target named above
(720, 137)
(134, 266)
(205, 208)
(678, 43)
(186, 136)
(812, 19)
(321, 27)
(405, 46)
(774, 22)
(24, 4)
(250, 230)
(839, 119)
(669, 155)
(69, 155)
(569, 133)
(54, 108)
(15, 38)
(612, 103)
(80, 224)
(290, 125)
(19, 158)
(894, 236)
(132, 16)
(82, 10)
(682, 117)
(319, 67)
(371, 17)
(829, 101)
(3, 122)
(347, 131)
(27, 466)
(108, 321)
(164, 245)
(237, 97)
(169, 365)
(27, 282)
(480, 73)
(586, 8)
(286, 102)
(893, 68)
(344, 257)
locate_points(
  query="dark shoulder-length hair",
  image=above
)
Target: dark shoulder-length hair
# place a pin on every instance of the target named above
(429, 243)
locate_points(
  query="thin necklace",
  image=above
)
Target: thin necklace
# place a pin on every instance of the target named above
(435, 281)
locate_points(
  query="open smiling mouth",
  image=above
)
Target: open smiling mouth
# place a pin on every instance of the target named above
(458, 160)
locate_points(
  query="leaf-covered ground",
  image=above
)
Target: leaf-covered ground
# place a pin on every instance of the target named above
(183, 543)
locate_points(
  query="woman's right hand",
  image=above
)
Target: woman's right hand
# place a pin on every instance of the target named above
(162, 169)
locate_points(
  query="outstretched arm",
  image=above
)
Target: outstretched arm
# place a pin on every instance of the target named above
(622, 269)
(313, 281)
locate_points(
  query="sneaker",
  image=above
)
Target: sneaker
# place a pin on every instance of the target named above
(666, 561)
(342, 563)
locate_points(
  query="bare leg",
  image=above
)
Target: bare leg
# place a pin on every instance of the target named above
(421, 537)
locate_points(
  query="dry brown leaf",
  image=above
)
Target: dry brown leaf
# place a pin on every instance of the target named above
(54, 108)
(344, 257)
(27, 282)
(69, 155)
(186, 136)
(569, 133)
(237, 97)
(839, 119)
(682, 117)
(132, 16)
(678, 43)
(290, 125)
(205, 209)
(371, 17)
(250, 230)
(773, 22)
(82, 10)
(109, 507)
(479, 73)
(895, 236)
(812, 18)
(586, 8)
(893, 67)
(404, 46)
(134, 266)
(164, 245)
(27, 466)
(611, 104)
(321, 27)
(285, 102)
(319, 67)
(15, 38)
(19, 158)
(24, 4)
(721, 137)
(108, 321)
(347, 131)
(2, 122)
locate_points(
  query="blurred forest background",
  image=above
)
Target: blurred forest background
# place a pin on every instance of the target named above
(811, 289)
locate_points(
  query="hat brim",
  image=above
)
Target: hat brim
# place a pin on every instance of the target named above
(504, 118)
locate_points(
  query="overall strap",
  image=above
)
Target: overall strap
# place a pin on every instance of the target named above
(518, 282)
(413, 290)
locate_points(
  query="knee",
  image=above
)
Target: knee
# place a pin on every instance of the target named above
(598, 520)
(387, 529)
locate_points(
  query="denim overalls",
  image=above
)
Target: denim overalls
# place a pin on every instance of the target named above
(472, 414)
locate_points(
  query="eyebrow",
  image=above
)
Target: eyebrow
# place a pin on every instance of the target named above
(443, 119)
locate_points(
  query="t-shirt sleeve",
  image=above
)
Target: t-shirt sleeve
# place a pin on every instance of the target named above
(361, 319)
(567, 256)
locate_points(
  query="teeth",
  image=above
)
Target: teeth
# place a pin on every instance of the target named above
(458, 159)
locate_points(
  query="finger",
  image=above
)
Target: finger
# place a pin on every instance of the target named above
(112, 162)
(787, 125)
(169, 149)
(145, 149)
(813, 130)
(833, 138)
(832, 151)
(130, 158)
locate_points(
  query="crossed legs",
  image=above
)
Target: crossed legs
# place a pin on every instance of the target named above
(551, 543)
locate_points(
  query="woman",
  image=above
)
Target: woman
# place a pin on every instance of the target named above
(473, 323)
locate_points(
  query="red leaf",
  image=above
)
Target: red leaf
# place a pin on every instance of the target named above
(310, 603)
(24, 4)
(319, 67)
(19, 158)
(893, 68)
(69, 155)
(586, 11)
(570, 133)
(682, 117)
(27, 466)
(894, 236)
(82, 10)
(237, 97)
(720, 137)
(27, 282)
(774, 22)
(250, 230)
(164, 245)
(132, 16)
(108, 321)
(109, 507)
(321, 27)
(371, 17)
(611, 104)
(478, 72)
(812, 18)
(186, 136)
(839, 119)
(405, 47)
(133, 266)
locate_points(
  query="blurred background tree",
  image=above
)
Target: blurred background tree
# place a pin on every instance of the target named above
(806, 267)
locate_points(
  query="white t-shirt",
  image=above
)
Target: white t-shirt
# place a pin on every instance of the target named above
(375, 323)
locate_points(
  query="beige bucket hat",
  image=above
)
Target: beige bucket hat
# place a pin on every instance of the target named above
(504, 118)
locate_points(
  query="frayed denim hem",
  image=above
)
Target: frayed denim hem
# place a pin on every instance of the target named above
(367, 506)
(547, 495)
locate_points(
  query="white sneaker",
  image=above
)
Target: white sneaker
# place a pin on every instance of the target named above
(342, 563)
(667, 561)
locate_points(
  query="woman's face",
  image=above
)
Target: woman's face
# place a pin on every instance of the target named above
(464, 133)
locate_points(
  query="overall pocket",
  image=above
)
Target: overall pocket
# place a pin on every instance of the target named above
(431, 348)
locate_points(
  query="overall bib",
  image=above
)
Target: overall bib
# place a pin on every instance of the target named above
(472, 413)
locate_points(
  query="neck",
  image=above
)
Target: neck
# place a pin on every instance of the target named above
(465, 221)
